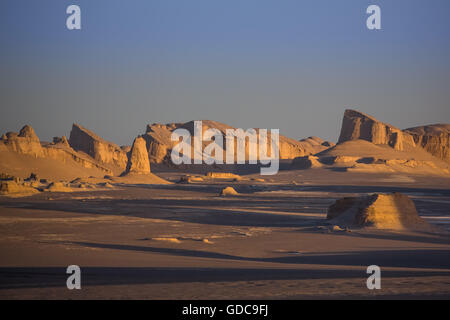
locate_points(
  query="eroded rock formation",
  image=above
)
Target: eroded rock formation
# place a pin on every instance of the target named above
(138, 161)
(433, 138)
(228, 191)
(394, 211)
(357, 125)
(107, 153)
(24, 142)
(159, 143)
(306, 162)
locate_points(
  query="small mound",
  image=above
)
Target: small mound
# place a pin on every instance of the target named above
(306, 162)
(106, 185)
(197, 179)
(394, 211)
(133, 178)
(167, 239)
(222, 175)
(190, 179)
(228, 191)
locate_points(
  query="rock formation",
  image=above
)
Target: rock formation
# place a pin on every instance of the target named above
(380, 211)
(61, 141)
(357, 125)
(190, 179)
(316, 144)
(26, 142)
(159, 143)
(105, 152)
(433, 138)
(13, 188)
(58, 187)
(138, 161)
(306, 162)
(222, 175)
(368, 145)
(364, 156)
(228, 191)
(23, 153)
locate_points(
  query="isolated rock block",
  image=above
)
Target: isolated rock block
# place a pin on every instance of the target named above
(138, 161)
(394, 211)
(228, 191)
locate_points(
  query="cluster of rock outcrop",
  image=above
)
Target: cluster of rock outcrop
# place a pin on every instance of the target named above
(88, 150)
(12, 186)
(159, 143)
(24, 142)
(368, 145)
(84, 148)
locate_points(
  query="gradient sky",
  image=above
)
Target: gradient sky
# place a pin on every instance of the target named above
(289, 64)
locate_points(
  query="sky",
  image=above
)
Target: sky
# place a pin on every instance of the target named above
(288, 64)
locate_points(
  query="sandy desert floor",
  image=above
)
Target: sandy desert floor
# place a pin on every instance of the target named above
(183, 241)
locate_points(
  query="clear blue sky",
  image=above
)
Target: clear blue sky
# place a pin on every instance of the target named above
(288, 64)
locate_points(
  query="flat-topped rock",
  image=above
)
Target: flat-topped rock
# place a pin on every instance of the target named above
(394, 211)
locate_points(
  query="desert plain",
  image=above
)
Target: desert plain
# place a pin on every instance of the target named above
(140, 228)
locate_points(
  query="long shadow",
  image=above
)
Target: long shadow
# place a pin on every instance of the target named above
(433, 258)
(43, 277)
(242, 169)
(214, 187)
(422, 237)
(190, 210)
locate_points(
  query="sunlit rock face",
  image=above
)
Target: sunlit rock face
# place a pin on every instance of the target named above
(24, 142)
(357, 125)
(394, 211)
(159, 143)
(138, 161)
(105, 152)
(433, 138)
